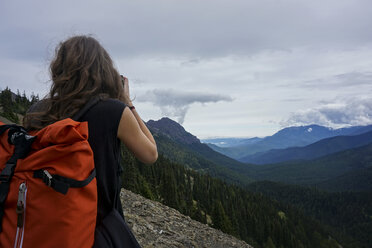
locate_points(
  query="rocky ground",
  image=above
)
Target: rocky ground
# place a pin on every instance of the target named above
(156, 225)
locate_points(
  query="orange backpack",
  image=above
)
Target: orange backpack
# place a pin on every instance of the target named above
(48, 191)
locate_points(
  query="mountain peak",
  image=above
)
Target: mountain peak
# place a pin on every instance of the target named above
(304, 130)
(173, 130)
(166, 120)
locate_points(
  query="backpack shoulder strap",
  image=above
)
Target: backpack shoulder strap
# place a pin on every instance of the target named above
(18, 137)
(5, 127)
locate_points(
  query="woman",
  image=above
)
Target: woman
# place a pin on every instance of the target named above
(81, 71)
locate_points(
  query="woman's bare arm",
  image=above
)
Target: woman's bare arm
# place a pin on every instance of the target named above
(134, 133)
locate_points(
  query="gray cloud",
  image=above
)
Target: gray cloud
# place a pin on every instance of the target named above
(341, 113)
(190, 62)
(350, 79)
(176, 103)
(193, 27)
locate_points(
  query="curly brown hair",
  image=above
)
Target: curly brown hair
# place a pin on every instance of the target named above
(80, 70)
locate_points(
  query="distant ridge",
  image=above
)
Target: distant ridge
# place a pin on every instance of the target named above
(298, 136)
(326, 171)
(315, 150)
(231, 142)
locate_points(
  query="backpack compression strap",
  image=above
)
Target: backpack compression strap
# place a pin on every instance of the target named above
(22, 142)
(62, 184)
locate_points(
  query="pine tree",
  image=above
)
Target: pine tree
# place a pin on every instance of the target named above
(8, 107)
(269, 243)
(220, 219)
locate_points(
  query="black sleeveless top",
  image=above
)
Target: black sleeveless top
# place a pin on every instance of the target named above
(103, 121)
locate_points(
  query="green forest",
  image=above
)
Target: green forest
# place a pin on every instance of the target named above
(250, 216)
(264, 214)
(14, 106)
(347, 215)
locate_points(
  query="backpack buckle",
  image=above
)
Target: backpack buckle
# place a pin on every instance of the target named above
(56, 182)
(48, 178)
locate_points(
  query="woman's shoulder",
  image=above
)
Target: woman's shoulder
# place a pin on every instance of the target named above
(110, 105)
(112, 101)
(106, 113)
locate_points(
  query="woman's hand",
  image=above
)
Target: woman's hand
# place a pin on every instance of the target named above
(127, 99)
(134, 133)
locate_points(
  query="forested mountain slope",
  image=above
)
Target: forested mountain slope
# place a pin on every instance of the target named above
(258, 220)
(316, 171)
(14, 106)
(175, 143)
(347, 215)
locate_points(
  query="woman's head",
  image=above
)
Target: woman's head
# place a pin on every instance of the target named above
(81, 69)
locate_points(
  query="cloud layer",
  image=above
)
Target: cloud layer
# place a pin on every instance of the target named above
(345, 80)
(206, 28)
(176, 103)
(338, 114)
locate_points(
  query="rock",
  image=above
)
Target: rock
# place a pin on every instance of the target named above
(156, 225)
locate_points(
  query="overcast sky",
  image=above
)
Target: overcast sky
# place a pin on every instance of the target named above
(232, 68)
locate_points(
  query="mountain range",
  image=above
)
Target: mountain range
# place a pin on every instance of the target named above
(329, 163)
(334, 189)
(312, 151)
(287, 137)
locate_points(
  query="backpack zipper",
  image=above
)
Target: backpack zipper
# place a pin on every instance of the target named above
(21, 214)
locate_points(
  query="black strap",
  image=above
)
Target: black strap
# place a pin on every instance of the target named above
(22, 142)
(118, 185)
(86, 107)
(62, 184)
(3, 128)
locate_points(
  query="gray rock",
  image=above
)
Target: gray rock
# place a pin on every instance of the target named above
(156, 225)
